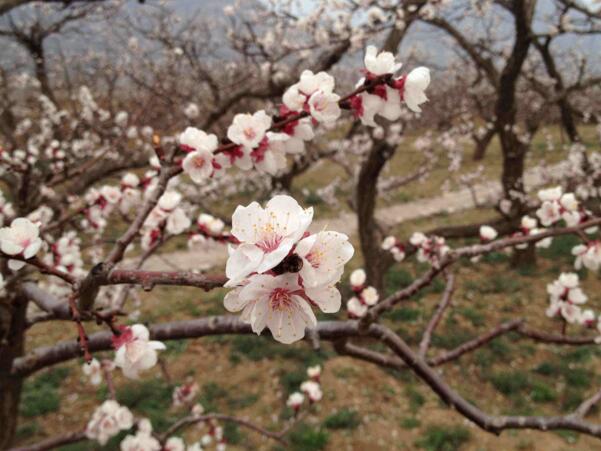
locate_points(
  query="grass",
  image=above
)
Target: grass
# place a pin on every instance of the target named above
(444, 438)
(41, 394)
(150, 398)
(343, 419)
(307, 438)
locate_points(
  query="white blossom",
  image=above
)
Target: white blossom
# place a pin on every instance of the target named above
(134, 351)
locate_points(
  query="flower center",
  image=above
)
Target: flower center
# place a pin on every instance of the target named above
(270, 243)
(249, 133)
(280, 299)
(199, 162)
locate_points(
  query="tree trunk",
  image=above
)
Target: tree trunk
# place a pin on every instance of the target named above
(12, 330)
(482, 144)
(376, 260)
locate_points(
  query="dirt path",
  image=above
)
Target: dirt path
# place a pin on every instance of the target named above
(450, 202)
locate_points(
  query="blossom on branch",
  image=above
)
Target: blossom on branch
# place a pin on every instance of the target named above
(20, 239)
(565, 298)
(134, 351)
(278, 270)
(108, 419)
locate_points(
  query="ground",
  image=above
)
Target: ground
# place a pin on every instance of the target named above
(364, 407)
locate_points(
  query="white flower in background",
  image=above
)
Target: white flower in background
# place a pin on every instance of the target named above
(198, 165)
(587, 318)
(249, 130)
(295, 400)
(375, 16)
(588, 255)
(417, 239)
(111, 194)
(191, 111)
(487, 233)
(528, 223)
(177, 222)
(134, 351)
(323, 107)
(130, 180)
(20, 239)
(358, 278)
(380, 63)
(388, 243)
(270, 155)
(185, 393)
(356, 308)
(298, 131)
(566, 288)
(174, 444)
(416, 82)
(556, 205)
(297, 95)
(169, 200)
(142, 441)
(429, 249)
(314, 372)
(210, 224)
(398, 253)
(93, 371)
(324, 255)
(565, 296)
(370, 296)
(273, 302)
(194, 139)
(107, 421)
(550, 194)
(266, 236)
(121, 119)
(313, 390)
(197, 410)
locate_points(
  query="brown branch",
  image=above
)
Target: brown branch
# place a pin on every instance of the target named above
(193, 419)
(442, 306)
(585, 407)
(53, 442)
(455, 255)
(177, 330)
(476, 342)
(487, 422)
(148, 279)
(42, 267)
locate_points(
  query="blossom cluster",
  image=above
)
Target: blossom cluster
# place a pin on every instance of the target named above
(262, 142)
(135, 352)
(385, 99)
(209, 228)
(185, 394)
(555, 206)
(311, 389)
(279, 270)
(391, 244)
(21, 239)
(142, 439)
(108, 420)
(365, 296)
(429, 249)
(566, 298)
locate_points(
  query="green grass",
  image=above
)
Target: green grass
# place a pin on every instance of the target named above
(343, 419)
(41, 394)
(150, 398)
(307, 438)
(410, 423)
(415, 398)
(443, 438)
